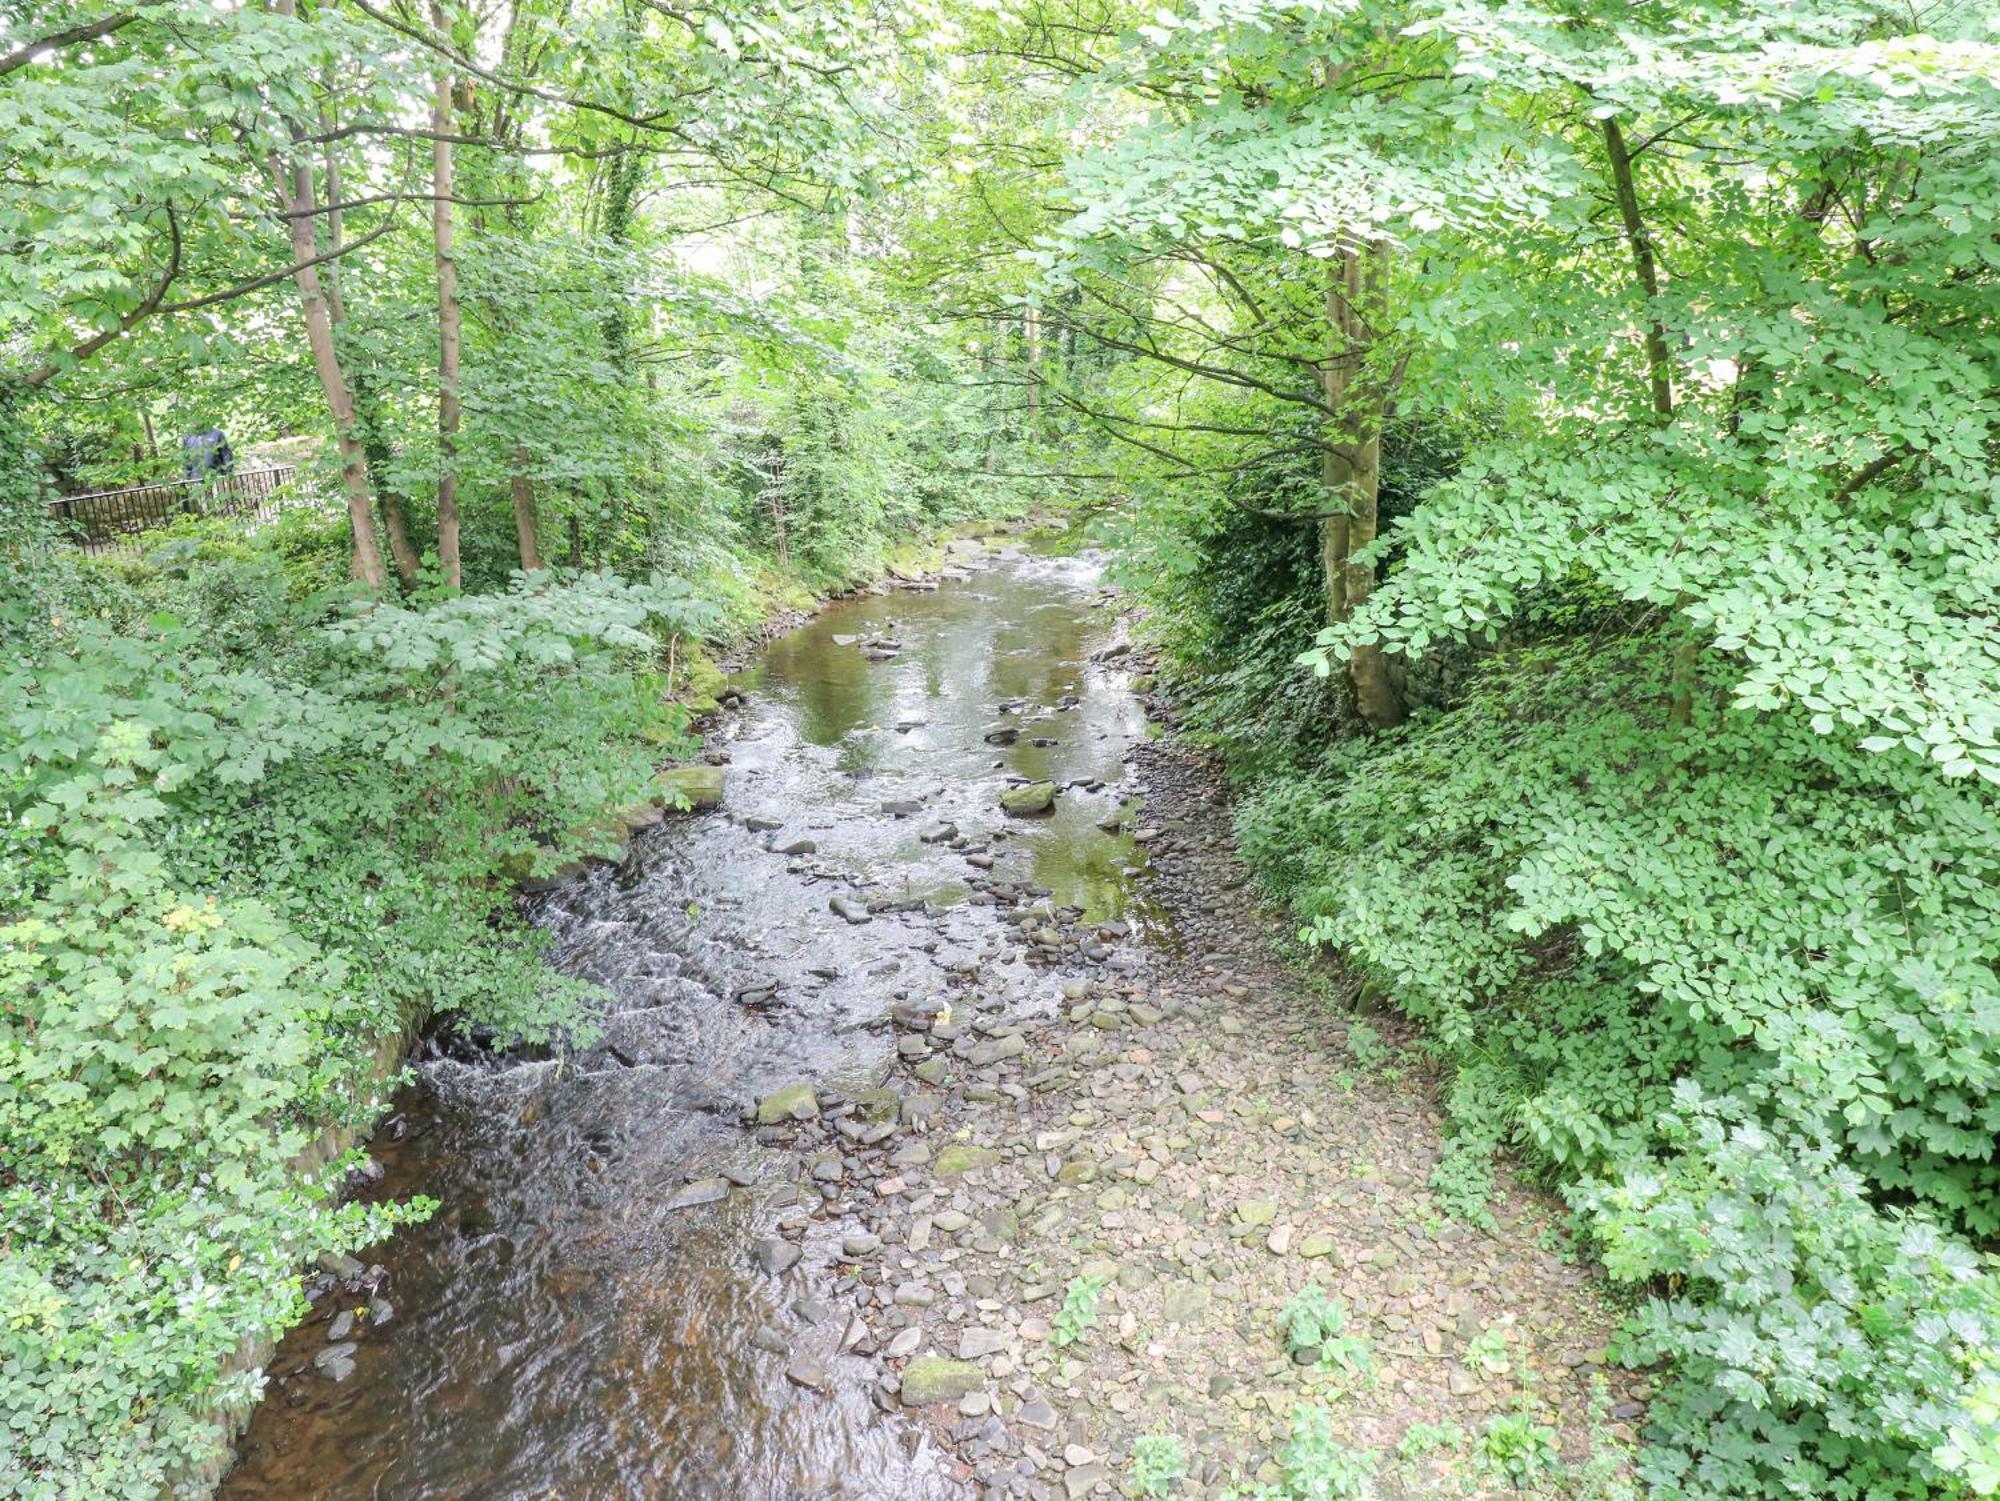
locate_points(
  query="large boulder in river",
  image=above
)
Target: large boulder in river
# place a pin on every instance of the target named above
(795, 1102)
(1035, 797)
(696, 787)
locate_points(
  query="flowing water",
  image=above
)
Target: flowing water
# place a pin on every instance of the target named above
(558, 1330)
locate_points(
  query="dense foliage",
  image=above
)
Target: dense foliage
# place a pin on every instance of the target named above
(248, 845)
(561, 313)
(1558, 445)
(1686, 859)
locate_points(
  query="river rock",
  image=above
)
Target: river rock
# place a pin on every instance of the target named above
(1035, 797)
(847, 907)
(977, 1344)
(336, 1362)
(701, 1191)
(957, 1160)
(999, 1049)
(809, 1373)
(932, 1378)
(774, 1256)
(692, 787)
(795, 1102)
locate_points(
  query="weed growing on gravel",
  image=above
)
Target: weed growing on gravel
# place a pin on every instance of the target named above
(1314, 1325)
(1606, 1475)
(1487, 1351)
(1518, 1449)
(1371, 1054)
(1078, 1312)
(1159, 1463)
(1317, 1466)
(1422, 1438)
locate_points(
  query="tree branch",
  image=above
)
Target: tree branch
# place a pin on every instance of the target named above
(125, 324)
(334, 208)
(90, 31)
(1868, 473)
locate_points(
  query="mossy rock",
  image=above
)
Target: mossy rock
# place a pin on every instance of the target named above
(700, 682)
(696, 787)
(877, 1104)
(795, 1102)
(956, 1161)
(637, 816)
(1036, 797)
(517, 865)
(932, 1378)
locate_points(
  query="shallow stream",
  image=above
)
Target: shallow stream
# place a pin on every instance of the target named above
(559, 1328)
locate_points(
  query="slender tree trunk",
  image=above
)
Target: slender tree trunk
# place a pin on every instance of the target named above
(1351, 468)
(1031, 326)
(394, 523)
(448, 325)
(1659, 369)
(622, 181)
(1659, 372)
(295, 183)
(526, 523)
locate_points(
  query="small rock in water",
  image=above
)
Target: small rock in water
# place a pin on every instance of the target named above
(335, 1362)
(774, 1256)
(701, 1191)
(1035, 797)
(794, 846)
(809, 1373)
(847, 907)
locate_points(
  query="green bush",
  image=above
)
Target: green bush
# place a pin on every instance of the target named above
(239, 849)
(1822, 1346)
(1595, 912)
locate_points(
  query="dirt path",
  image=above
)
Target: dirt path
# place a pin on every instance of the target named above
(1200, 1142)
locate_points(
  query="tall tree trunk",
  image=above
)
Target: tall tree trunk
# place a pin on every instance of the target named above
(394, 522)
(526, 523)
(621, 197)
(1351, 467)
(1031, 326)
(1659, 369)
(295, 189)
(1659, 372)
(448, 324)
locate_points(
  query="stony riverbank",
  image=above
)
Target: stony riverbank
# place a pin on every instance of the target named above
(1200, 1140)
(1015, 1192)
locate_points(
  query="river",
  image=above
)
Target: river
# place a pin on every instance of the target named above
(559, 1328)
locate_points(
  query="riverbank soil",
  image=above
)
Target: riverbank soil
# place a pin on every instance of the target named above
(1200, 1139)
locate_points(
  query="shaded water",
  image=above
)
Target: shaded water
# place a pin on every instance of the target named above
(557, 1329)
